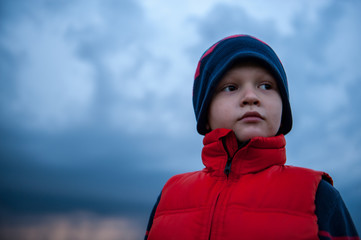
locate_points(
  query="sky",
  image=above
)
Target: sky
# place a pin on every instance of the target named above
(96, 96)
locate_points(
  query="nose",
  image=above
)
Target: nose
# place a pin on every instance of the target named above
(250, 98)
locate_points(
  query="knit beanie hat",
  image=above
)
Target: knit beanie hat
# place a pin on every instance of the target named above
(219, 58)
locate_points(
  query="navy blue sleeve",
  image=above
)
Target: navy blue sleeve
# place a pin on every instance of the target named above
(334, 220)
(151, 217)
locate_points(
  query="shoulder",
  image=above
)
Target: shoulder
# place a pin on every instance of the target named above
(182, 176)
(183, 180)
(301, 170)
(306, 174)
(309, 172)
(328, 200)
(326, 190)
(333, 217)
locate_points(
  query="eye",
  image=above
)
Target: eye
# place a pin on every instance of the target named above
(229, 88)
(266, 86)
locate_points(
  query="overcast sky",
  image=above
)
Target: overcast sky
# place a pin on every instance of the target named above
(96, 96)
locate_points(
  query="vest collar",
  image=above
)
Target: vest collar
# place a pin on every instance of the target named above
(221, 146)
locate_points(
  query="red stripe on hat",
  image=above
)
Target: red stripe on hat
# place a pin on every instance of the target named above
(211, 50)
(204, 55)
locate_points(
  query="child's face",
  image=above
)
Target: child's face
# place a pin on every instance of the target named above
(246, 100)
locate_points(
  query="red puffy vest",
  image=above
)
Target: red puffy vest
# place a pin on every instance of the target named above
(260, 197)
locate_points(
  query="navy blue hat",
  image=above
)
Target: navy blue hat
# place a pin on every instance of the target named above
(219, 58)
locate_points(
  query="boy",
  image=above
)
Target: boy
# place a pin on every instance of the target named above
(246, 191)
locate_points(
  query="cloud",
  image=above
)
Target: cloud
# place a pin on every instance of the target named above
(52, 88)
(95, 96)
(320, 78)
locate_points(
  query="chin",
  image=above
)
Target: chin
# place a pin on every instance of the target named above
(246, 135)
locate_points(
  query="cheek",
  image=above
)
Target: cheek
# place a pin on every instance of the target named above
(213, 117)
(277, 113)
(217, 115)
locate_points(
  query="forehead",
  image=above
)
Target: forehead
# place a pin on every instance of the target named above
(249, 64)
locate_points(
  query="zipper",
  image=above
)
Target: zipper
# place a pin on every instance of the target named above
(227, 168)
(214, 208)
(215, 205)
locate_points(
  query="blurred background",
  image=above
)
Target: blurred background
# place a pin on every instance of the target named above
(96, 103)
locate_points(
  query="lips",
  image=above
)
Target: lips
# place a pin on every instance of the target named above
(251, 117)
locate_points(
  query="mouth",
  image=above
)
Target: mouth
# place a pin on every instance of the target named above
(251, 117)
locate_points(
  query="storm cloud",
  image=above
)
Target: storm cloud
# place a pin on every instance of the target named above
(95, 96)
